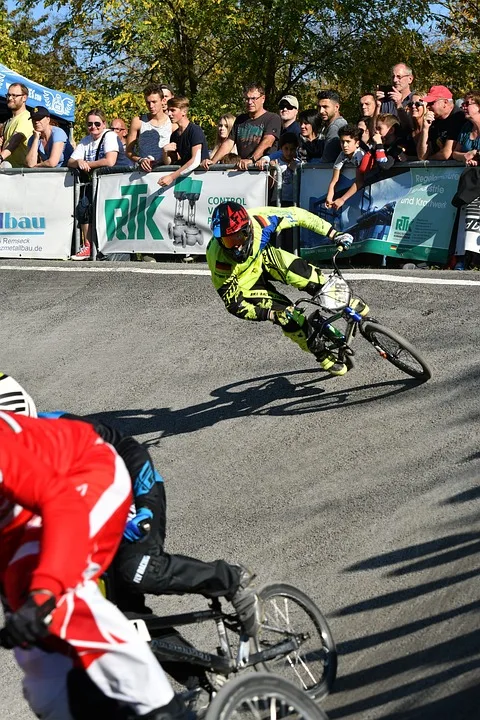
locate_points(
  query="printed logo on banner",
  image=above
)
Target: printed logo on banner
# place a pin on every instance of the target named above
(403, 223)
(58, 104)
(24, 225)
(128, 217)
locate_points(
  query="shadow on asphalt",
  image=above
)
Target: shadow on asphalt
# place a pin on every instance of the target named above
(294, 393)
(457, 653)
(437, 710)
(461, 705)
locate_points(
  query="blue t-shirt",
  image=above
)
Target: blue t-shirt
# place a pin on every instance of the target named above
(466, 142)
(44, 151)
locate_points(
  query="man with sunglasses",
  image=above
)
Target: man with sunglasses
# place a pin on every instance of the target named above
(288, 109)
(18, 129)
(441, 125)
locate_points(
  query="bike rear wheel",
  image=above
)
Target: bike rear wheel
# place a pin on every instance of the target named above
(262, 696)
(398, 351)
(289, 613)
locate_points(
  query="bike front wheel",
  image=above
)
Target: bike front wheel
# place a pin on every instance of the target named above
(398, 351)
(262, 696)
(292, 615)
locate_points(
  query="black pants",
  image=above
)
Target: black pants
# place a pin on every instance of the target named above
(144, 567)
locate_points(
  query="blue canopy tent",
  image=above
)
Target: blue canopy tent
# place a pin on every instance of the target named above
(60, 105)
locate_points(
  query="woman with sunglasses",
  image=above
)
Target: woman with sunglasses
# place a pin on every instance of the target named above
(100, 148)
(415, 109)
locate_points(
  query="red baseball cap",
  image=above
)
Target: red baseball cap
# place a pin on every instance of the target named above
(437, 92)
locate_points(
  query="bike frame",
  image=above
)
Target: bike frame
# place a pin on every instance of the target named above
(223, 663)
(336, 339)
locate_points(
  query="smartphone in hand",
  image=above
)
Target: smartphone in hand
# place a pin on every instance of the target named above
(385, 88)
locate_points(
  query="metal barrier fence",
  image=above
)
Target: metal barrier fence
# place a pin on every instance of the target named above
(406, 214)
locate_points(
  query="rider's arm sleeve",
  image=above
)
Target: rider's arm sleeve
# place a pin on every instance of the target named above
(65, 545)
(146, 481)
(297, 216)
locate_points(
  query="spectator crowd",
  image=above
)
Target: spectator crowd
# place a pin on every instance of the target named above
(395, 123)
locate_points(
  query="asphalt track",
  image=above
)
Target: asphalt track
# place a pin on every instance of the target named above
(361, 490)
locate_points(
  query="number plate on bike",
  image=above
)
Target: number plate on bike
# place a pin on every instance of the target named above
(335, 293)
(141, 627)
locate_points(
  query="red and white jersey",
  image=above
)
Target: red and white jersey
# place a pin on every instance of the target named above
(63, 472)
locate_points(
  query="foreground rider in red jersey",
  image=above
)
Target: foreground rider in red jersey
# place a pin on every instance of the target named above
(64, 499)
(244, 261)
(141, 564)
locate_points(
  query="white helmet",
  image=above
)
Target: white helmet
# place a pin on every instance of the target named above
(14, 398)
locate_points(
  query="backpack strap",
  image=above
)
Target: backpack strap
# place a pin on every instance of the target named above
(100, 144)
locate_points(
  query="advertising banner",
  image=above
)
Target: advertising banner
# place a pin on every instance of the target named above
(406, 215)
(36, 215)
(58, 103)
(468, 236)
(135, 214)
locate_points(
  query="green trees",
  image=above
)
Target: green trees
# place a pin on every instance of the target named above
(207, 49)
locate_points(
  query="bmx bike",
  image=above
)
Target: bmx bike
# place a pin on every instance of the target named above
(332, 304)
(294, 641)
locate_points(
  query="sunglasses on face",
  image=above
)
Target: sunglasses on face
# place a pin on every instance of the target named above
(96, 123)
(416, 104)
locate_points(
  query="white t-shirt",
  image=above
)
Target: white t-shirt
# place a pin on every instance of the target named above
(87, 148)
(354, 160)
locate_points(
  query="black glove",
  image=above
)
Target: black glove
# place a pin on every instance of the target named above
(29, 623)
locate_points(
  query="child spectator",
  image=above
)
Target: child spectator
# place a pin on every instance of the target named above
(387, 141)
(286, 160)
(385, 150)
(367, 126)
(351, 154)
(230, 159)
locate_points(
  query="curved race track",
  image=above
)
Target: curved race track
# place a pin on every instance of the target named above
(362, 490)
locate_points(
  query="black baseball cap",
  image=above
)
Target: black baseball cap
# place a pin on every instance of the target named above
(39, 113)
